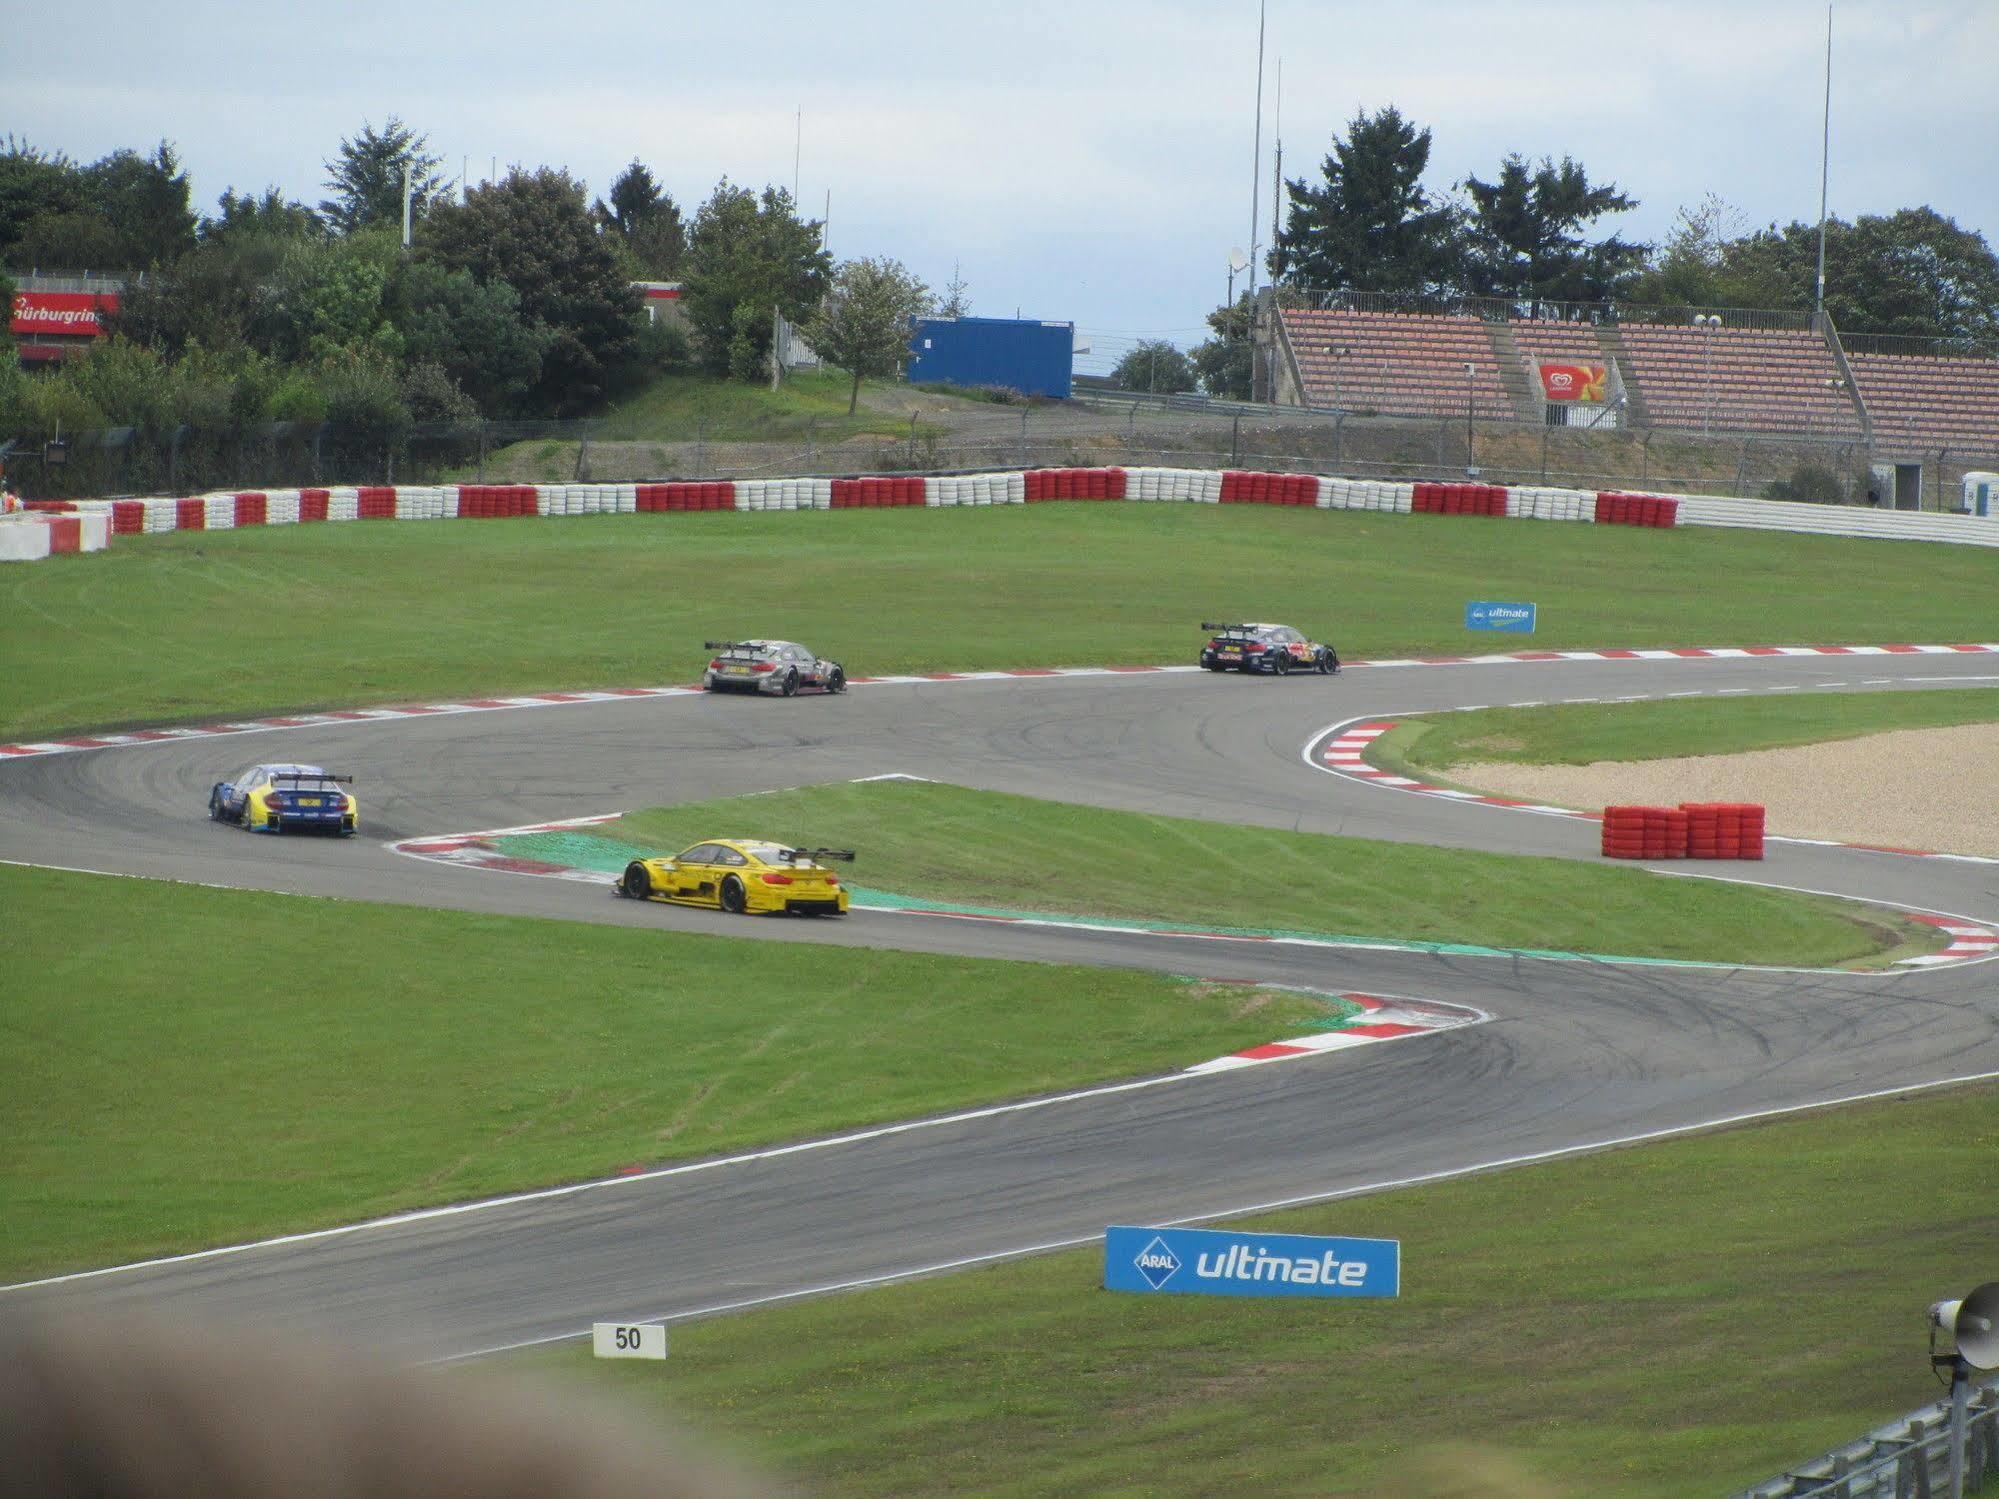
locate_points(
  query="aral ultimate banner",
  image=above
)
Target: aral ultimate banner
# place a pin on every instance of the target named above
(1216, 1262)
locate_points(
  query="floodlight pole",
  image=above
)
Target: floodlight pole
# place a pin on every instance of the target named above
(1255, 192)
(1825, 164)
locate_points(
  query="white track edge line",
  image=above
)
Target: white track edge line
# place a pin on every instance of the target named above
(1303, 1200)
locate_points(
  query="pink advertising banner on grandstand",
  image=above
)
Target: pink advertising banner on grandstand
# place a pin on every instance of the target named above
(71, 312)
(1573, 382)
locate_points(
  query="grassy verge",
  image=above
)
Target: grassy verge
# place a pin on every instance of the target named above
(1684, 1318)
(190, 624)
(160, 1091)
(986, 849)
(682, 408)
(1584, 733)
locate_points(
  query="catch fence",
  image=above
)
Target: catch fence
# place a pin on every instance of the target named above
(952, 435)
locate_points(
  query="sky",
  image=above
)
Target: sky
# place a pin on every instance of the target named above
(1090, 161)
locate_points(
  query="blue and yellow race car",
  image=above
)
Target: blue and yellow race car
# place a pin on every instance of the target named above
(743, 875)
(286, 799)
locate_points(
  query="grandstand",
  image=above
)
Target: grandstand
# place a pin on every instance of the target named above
(1397, 363)
(1717, 372)
(1928, 402)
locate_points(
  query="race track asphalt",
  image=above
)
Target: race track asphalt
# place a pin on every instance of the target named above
(1577, 1055)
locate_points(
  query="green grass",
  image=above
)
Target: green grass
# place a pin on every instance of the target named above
(987, 849)
(683, 408)
(1584, 733)
(1685, 1318)
(161, 1088)
(191, 625)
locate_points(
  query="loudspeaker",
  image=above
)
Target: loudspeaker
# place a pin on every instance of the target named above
(1974, 1324)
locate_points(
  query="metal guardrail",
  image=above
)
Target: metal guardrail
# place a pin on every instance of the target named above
(1906, 1459)
(1538, 309)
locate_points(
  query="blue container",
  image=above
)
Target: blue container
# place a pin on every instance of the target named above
(1034, 358)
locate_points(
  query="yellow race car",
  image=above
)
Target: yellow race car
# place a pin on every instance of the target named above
(743, 875)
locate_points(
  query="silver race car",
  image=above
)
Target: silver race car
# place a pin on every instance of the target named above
(775, 668)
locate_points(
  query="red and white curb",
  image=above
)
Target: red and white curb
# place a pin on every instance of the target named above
(1388, 1019)
(335, 719)
(476, 850)
(1967, 941)
(1343, 752)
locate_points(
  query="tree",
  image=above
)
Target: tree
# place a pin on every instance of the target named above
(747, 255)
(863, 324)
(1687, 267)
(1154, 365)
(273, 216)
(474, 332)
(1913, 272)
(219, 297)
(145, 200)
(1223, 362)
(954, 302)
(533, 231)
(1526, 234)
(125, 212)
(645, 224)
(328, 297)
(1371, 226)
(366, 178)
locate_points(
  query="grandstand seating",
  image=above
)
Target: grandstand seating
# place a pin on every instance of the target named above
(1926, 402)
(1727, 379)
(1566, 343)
(1738, 379)
(1397, 363)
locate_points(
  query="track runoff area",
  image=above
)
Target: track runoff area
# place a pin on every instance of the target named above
(1553, 1057)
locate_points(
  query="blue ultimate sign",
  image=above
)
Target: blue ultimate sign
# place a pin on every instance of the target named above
(1212, 1262)
(1486, 615)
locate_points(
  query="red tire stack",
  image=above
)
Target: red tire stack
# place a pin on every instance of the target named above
(312, 503)
(1458, 499)
(1614, 508)
(128, 517)
(375, 502)
(1724, 830)
(1644, 833)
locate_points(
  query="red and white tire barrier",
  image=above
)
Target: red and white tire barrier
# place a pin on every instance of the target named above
(235, 509)
(1388, 1018)
(29, 536)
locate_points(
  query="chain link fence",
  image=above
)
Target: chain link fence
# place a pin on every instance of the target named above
(1100, 428)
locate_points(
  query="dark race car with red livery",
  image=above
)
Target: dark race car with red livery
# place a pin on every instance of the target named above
(1273, 650)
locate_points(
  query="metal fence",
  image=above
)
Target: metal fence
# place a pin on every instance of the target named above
(1539, 309)
(1099, 428)
(1902, 1460)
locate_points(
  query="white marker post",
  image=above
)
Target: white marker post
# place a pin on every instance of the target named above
(628, 1339)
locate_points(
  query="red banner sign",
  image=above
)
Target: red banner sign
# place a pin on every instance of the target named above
(71, 312)
(1574, 382)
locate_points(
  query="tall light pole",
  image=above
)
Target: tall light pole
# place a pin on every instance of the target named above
(1471, 462)
(1255, 184)
(1237, 262)
(1707, 322)
(1825, 166)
